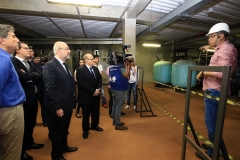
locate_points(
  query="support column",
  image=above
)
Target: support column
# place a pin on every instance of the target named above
(129, 35)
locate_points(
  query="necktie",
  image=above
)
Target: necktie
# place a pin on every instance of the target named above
(67, 69)
(26, 64)
(91, 70)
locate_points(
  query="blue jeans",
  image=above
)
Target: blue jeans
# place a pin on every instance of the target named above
(211, 109)
(118, 99)
(132, 87)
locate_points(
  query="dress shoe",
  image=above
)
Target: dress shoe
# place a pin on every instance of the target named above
(110, 115)
(71, 149)
(35, 146)
(25, 156)
(122, 113)
(85, 135)
(121, 127)
(97, 129)
(122, 123)
(61, 158)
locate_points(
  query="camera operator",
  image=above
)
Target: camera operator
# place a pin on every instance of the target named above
(118, 79)
(132, 83)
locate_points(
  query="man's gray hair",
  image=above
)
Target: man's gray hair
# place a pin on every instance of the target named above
(4, 29)
(86, 56)
(55, 48)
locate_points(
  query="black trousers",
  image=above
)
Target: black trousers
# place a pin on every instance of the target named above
(78, 108)
(91, 108)
(40, 98)
(59, 134)
(30, 108)
(110, 103)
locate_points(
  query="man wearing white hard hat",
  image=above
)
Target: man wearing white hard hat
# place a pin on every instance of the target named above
(225, 55)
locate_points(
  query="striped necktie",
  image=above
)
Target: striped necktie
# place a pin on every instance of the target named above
(91, 70)
(67, 69)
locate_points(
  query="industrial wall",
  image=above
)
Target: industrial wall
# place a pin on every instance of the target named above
(145, 56)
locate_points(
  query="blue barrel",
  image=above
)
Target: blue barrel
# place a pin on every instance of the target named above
(180, 73)
(162, 72)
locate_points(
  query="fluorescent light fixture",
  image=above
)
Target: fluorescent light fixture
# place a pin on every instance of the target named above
(151, 45)
(93, 3)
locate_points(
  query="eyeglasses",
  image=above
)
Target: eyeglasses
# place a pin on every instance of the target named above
(211, 36)
(91, 59)
(66, 49)
(25, 48)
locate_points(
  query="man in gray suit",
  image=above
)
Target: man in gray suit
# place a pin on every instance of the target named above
(61, 94)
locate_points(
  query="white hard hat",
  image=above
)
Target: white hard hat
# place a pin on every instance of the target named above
(219, 27)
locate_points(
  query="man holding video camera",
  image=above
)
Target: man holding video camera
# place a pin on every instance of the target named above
(118, 79)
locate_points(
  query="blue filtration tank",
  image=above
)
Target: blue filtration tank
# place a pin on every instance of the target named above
(180, 73)
(162, 72)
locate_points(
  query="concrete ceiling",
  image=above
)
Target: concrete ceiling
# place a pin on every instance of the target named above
(182, 21)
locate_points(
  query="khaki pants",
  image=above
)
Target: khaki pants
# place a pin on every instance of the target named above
(11, 132)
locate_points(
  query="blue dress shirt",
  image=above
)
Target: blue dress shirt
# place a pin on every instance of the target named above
(11, 91)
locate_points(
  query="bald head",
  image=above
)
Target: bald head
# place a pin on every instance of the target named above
(61, 50)
(88, 58)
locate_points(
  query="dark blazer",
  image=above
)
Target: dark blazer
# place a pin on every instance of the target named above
(28, 80)
(27, 76)
(87, 84)
(59, 86)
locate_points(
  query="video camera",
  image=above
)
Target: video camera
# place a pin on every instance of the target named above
(118, 58)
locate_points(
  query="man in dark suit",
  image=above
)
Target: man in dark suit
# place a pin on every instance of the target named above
(29, 77)
(89, 85)
(35, 60)
(61, 95)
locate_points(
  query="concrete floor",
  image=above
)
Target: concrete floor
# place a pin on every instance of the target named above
(148, 138)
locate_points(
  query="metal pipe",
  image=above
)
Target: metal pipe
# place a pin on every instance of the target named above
(120, 17)
(80, 19)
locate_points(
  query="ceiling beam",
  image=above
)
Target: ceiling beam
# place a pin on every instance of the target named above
(137, 8)
(80, 19)
(133, 10)
(20, 30)
(117, 26)
(186, 29)
(223, 15)
(50, 19)
(44, 41)
(176, 14)
(197, 38)
(62, 15)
